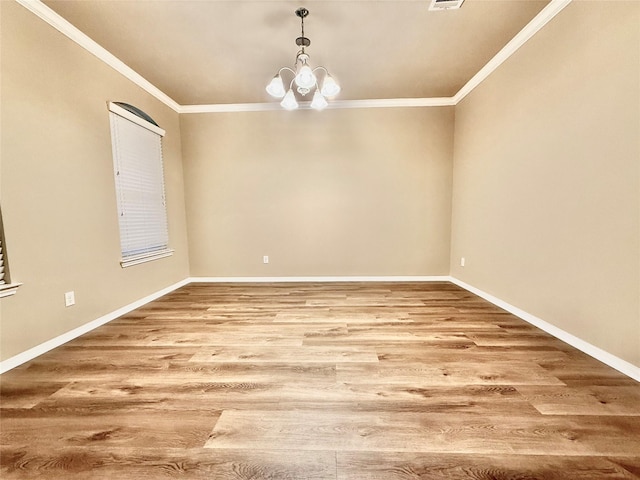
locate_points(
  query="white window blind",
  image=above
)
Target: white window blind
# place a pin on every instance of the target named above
(7, 288)
(137, 160)
(2, 280)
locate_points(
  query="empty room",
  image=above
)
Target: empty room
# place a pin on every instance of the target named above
(328, 240)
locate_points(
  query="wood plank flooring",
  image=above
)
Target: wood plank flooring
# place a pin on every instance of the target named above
(343, 381)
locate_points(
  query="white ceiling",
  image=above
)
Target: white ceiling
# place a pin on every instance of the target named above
(225, 52)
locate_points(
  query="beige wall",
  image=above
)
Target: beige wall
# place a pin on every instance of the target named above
(58, 194)
(546, 184)
(546, 206)
(338, 192)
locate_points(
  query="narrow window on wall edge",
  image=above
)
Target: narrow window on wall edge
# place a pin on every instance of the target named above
(7, 287)
(137, 166)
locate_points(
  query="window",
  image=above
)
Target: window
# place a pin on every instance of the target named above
(137, 162)
(6, 287)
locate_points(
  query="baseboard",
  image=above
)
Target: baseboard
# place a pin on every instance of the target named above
(38, 350)
(321, 279)
(605, 357)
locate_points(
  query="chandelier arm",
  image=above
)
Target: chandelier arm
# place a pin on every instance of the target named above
(320, 67)
(287, 69)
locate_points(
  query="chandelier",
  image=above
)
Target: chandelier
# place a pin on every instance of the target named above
(304, 78)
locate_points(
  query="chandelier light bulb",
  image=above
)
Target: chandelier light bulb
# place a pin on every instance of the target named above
(318, 102)
(289, 101)
(305, 78)
(276, 87)
(329, 87)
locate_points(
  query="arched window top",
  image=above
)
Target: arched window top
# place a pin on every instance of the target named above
(137, 112)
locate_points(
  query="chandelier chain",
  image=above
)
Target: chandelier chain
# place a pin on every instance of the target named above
(302, 28)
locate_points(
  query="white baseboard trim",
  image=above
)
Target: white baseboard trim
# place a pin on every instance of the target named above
(605, 357)
(38, 350)
(320, 279)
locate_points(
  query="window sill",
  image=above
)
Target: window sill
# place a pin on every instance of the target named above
(146, 257)
(9, 289)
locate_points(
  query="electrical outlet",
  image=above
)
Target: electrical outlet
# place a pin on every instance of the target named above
(265, 259)
(462, 261)
(69, 299)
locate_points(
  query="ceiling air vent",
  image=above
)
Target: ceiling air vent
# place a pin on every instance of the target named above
(445, 4)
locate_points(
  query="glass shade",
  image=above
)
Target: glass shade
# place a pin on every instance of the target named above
(318, 102)
(330, 87)
(276, 87)
(304, 77)
(289, 101)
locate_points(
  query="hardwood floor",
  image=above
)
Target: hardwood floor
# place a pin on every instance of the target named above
(345, 381)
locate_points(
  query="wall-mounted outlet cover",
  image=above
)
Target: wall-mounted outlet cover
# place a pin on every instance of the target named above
(462, 261)
(69, 299)
(265, 259)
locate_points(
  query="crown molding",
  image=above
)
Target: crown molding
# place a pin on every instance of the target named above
(336, 104)
(394, 103)
(63, 26)
(229, 108)
(52, 18)
(546, 14)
